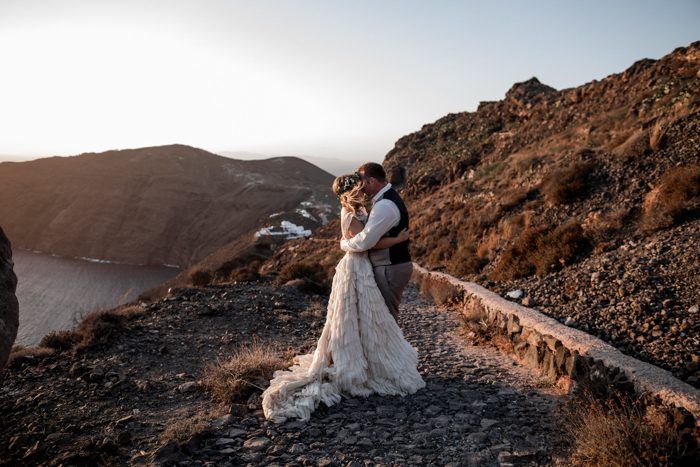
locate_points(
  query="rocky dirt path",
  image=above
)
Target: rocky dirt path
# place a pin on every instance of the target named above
(112, 404)
(478, 408)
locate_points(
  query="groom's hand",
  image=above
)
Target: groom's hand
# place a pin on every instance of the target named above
(403, 235)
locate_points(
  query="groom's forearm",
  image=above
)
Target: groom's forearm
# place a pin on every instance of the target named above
(380, 221)
(355, 244)
(364, 240)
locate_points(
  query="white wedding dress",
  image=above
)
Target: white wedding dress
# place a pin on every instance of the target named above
(361, 350)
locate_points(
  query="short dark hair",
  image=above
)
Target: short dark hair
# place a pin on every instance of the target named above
(372, 169)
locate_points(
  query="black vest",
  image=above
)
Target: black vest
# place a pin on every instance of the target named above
(398, 253)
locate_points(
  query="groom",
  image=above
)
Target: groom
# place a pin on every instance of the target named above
(388, 216)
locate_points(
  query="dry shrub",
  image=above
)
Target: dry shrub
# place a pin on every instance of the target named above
(314, 277)
(243, 268)
(466, 261)
(507, 229)
(19, 353)
(245, 274)
(514, 197)
(657, 136)
(99, 327)
(441, 250)
(200, 277)
(249, 369)
(473, 316)
(502, 343)
(316, 309)
(635, 145)
(298, 270)
(675, 198)
(559, 247)
(622, 432)
(490, 172)
(440, 291)
(474, 326)
(129, 312)
(523, 162)
(182, 430)
(488, 244)
(540, 250)
(567, 184)
(602, 225)
(59, 340)
(96, 327)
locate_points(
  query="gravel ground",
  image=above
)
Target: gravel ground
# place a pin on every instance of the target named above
(478, 408)
(112, 405)
(642, 298)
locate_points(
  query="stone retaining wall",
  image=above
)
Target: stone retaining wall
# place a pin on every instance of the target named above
(559, 352)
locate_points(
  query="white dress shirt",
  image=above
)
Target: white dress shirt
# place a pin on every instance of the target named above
(383, 216)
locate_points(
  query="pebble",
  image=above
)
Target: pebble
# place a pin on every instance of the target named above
(515, 294)
(297, 448)
(236, 432)
(256, 444)
(190, 386)
(487, 423)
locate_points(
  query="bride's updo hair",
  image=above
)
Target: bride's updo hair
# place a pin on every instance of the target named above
(348, 189)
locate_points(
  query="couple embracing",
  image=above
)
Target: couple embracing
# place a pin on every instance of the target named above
(362, 350)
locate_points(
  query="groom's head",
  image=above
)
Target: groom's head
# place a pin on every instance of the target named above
(373, 177)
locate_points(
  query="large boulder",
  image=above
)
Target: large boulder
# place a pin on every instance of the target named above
(9, 307)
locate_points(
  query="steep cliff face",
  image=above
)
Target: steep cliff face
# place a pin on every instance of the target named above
(159, 205)
(9, 308)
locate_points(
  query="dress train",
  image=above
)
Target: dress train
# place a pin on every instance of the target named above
(361, 351)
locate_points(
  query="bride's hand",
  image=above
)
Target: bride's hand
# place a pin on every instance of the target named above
(403, 235)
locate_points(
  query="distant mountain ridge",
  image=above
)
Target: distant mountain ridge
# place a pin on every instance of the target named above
(330, 164)
(171, 204)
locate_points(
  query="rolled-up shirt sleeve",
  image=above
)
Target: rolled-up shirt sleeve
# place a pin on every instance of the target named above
(383, 216)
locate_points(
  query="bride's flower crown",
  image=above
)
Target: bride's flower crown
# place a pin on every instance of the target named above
(349, 182)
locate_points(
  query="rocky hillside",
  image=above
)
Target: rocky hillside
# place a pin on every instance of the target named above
(586, 200)
(158, 205)
(9, 308)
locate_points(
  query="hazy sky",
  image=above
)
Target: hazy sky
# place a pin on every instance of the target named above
(340, 79)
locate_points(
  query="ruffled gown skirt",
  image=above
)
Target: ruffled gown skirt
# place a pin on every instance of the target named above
(361, 351)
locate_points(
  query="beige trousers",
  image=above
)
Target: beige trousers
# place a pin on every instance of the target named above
(392, 281)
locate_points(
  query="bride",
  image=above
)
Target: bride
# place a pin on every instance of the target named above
(361, 350)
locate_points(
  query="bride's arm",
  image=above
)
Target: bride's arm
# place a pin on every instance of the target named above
(386, 242)
(355, 227)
